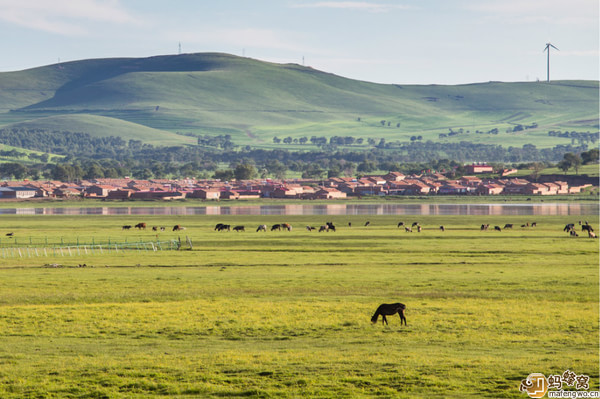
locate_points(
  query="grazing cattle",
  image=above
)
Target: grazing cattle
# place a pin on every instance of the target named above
(591, 234)
(414, 224)
(239, 228)
(178, 227)
(573, 233)
(219, 226)
(330, 226)
(223, 227)
(484, 227)
(141, 226)
(10, 234)
(154, 228)
(349, 224)
(389, 309)
(323, 228)
(442, 228)
(400, 224)
(367, 223)
(262, 227)
(508, 226)
(419, 228)
(162, 228)
(276, 227)
(310, 228)
(534, 224)
(497, 228)
(126, 227)
(569, 227)
(407, 229)
(286, 226)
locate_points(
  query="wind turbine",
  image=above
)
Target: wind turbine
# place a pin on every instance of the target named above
(547, 48)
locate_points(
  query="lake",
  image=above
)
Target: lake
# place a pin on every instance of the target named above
(575, 209)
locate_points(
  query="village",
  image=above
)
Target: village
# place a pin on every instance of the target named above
(390, 184)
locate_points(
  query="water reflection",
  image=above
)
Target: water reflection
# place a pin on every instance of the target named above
(325, 209)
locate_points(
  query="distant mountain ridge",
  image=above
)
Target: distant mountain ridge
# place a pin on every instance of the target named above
(253, 101)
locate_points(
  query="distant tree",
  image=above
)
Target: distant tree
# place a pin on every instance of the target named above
(223, 175)
(245, 172)
(276, 140)
(590, 157)
(287, 140)
(573, 160)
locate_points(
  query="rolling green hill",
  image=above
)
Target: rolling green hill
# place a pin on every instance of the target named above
(152, 99)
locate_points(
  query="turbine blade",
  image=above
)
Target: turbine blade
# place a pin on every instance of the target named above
(554, 46)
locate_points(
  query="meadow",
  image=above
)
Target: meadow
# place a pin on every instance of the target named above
(287, 314)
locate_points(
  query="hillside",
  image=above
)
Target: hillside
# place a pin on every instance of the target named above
(150, 99)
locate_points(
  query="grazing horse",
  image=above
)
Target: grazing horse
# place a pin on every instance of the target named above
(389, 309)
(178, 227)
(126, 227)
(262, 227)
(239, 228)
(508, 226)
(140, 226)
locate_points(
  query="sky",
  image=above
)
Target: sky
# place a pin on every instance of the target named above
(381, 41)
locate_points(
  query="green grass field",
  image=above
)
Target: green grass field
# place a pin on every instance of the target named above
(287, 314)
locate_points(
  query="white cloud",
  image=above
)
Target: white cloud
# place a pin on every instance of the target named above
(353, 5)
(64, 17)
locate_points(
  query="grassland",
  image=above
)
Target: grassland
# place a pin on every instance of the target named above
(286, 314)
(253, 101)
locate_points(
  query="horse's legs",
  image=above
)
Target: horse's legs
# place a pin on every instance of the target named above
(402, 318)
(383, 319)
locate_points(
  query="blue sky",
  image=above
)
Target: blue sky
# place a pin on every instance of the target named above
(383, 41)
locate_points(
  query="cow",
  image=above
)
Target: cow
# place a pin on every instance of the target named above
(141, 226)
(222, 227)
(442, 228)
(239, 228)
(419, 228)
(262, 227)
(367, 223)
(400, 224)
(415, 224)
(126, 227)
(497, 228)
(276, 227)
(484, 227)
(178, 227)
(154, 228)
(286, 226)
(323, 228)
(330, 226)
(310, 228)
(407, 229)
(508, 226)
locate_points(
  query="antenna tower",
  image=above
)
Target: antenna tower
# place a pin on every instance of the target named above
(179, 48)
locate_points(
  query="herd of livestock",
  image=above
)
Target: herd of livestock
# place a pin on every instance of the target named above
(329, 226)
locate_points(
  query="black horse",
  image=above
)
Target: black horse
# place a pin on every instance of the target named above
(389, 309)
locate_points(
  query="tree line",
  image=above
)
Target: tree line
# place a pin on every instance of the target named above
(93, 157)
